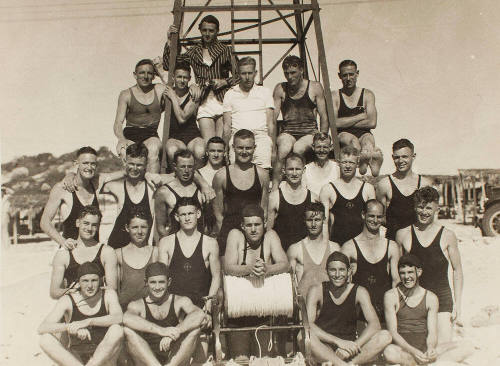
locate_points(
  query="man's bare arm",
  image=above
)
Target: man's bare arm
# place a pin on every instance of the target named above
(458, 275)
(394, 255)
(432, 304)
(110, 262)
(226, 131)
(344, 122)
(134, 318)
(231, 266)
(121, 112)
(278, 255)
(54, 202)
(162, 218)
(383, 191)
(278, 99)
(321, 106)
(115, 314)
(53, 322)
(215, 270)
(272, 209)
(218, 202)
(363, 299)
(57, 289)
(264, 181)
(371, 112)
(163, 250)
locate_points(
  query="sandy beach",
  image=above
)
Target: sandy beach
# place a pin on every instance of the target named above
(24, 291)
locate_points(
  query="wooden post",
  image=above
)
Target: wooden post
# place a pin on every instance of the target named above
(302, 45)
(14, 228)
(474, 195)
(174, 41)
(324, 72)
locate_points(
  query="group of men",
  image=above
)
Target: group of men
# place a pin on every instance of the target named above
(148, 294)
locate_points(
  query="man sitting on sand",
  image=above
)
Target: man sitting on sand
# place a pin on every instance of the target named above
(94, 323)
(332, 310)
(66, 262)
(411, 316)
(161, 328)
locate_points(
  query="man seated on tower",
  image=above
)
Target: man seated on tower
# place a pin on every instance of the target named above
(184, 131)
(141, 107)
(299, 100)
(161, 328)
(332, 308)
(167, 196)
(66, 262)
(411, 316)
(252, 252)
(93, 323)
(250, 106)
(308, 256)
(355, 115)
(212, 62)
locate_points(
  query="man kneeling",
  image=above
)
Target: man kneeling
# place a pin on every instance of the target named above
(162, 327)
(411, 316)
(94, 323)
(332, 311)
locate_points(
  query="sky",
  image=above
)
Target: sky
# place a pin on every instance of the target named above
(433, 66)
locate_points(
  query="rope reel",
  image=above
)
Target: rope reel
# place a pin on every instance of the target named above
(256, 296)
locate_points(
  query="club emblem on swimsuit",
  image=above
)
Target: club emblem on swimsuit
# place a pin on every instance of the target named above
(187, 267)
(372, 280)
(349, 205)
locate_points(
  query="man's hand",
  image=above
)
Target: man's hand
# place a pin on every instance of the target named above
(172, 29)
(207, 193)
(259, 268)
(171, 332)
(73, 327)
(456, 318)
(420, 357)
(69, 244)
(219, 83)
(207, 321)
(351, 347)
(121, 147)
(170, 93)
(165, 344)
(153, 179)
(431, 354)
(70, 183)
(83, 333)
(195, 92)
(342, 354)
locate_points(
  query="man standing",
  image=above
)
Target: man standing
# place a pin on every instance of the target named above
(298, 100)
(346, 197)
(184, 132)
(411, 315)
(167, 196)
(161, 328)
(66, 262)
(396, 191)
(308, 256)
(437, 248)
(93, 326)
(321, 170)
(286, 210)
(236, 186)
(251, 251)
(373, 258)
(249, 106)
(141, 107)
(355, 115)
(212, 62)
(332, 311)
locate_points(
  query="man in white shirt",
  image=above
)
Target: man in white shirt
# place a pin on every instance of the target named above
(215, 150)
(249, 106)
(322, 170)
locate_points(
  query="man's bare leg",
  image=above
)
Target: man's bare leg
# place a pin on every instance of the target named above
(303, 145)
(323, 353)
(184, 349)
(445, 328)
(394, 354)
(197, 147)
(454, 351)
(373, 347)
(200, 353)
(107, 351)
(373, 153)
(57, 352)
(153, 144)
(285, 143)
(207, 128)
(139, 349)
(219, 126)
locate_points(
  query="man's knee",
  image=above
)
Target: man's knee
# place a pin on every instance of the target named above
(383, 337)
(367, 141)
(115, 334)
(392, 353)
(153, 144)
(302, 146)
(198, 149)
(284, 144)
(346, 138)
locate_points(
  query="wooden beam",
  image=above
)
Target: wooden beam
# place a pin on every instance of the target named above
(324, 71)
(247, 41)
(218, 8)
(284, 20)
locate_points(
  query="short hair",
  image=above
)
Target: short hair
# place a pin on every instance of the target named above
(137, 150)
(246, 61)
(251, 210)
(349, 150)
(86, 150)
(295, 156)
(321, 136)
(182, 65)
(216, 140)
(145, 61)
(373, 201)
(243, 134)
(338, 257)
(402, 143)
(90, 210)
(138, 213)
(314, 207)
(183, 153)
(346, 63)
(409, 260)
(292, 61)
(156, 269)
(187, 201)
(89, 268)
(425, 195)
(209, 19)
